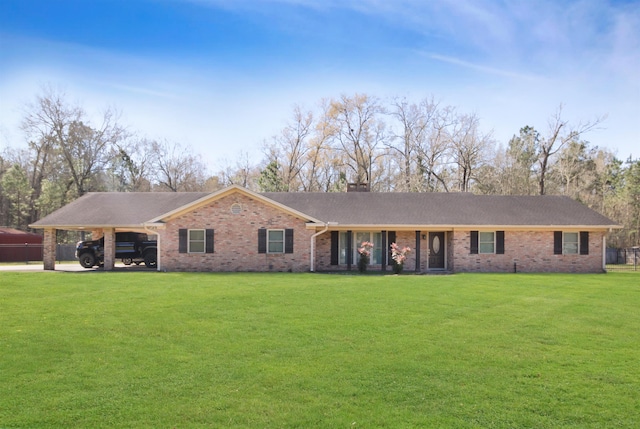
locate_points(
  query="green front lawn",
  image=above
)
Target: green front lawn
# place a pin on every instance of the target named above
(156, 350)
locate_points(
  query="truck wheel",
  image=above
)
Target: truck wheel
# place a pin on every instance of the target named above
(150, 259)
(127, 261)
(87, 260)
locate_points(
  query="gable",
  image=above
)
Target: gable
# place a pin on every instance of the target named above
(232, 193)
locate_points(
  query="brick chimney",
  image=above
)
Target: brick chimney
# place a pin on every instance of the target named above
(357, 187)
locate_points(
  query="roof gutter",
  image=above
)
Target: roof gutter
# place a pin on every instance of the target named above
(313, 244)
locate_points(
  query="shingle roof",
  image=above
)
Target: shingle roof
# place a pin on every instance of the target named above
(353, 209)
(117, 208)
(445, 209)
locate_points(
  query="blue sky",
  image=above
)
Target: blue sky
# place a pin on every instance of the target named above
(222, 76)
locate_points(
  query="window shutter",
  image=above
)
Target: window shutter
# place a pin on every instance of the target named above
(262, 240)
(474, 242)
(209, 241)
(557, 242)
(349, 249)
(288, 241)
(584, 242)
(335, 240)
(384, 254)
(500, 242)
(182, 241)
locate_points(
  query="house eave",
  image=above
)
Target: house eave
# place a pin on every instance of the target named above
(446, 227)
(87, 227)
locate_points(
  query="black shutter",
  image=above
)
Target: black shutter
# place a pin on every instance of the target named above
(288, 241)
(262, 240)
(417, 251)
(335, 250)
(474, 243)
(182, 241)
(500, 242)
(383, 263)
(584, 242)
(209, 241)
(392, 239)
(349, 249)
(557, 242)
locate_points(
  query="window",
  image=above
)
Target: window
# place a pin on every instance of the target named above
(358, 238)
(196, 241)
(486, 242)
(570, 243)
(275, 241)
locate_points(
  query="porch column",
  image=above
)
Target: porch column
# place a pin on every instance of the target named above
(109, 249)
(49, 249)
(349, 250)
(385, 252)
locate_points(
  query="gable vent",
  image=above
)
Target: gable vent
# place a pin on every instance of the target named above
(236, 209)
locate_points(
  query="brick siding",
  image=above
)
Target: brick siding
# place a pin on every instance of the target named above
(235, 238)
(525, 251)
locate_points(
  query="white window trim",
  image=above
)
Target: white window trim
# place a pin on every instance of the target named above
(342, 244)
(204, 241)
(480, 242)
(270, 241)
(564, 242)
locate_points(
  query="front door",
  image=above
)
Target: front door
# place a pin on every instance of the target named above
(436, 250)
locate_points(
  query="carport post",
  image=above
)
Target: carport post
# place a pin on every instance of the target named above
(49, 249)
(109, 249)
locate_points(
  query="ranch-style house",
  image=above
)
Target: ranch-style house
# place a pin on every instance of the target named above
(236, 229)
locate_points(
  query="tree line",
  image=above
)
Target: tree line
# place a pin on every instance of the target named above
(393, 145)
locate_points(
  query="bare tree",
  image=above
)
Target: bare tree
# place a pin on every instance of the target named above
(243, 173)
(416, 122)
(67, 154)
(177, 169)
(358, 132)
(132, 165)
(289, 149)
(559, 133)
(468, 145)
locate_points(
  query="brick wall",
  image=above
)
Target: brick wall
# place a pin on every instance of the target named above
(236, 245)
(49, 249)
(530, 251)
(235, 238)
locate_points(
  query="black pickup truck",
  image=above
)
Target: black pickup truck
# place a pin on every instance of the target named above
(131, 247)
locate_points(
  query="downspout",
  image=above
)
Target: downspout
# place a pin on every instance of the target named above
(313, 244)
(604, 252)
(152, 232)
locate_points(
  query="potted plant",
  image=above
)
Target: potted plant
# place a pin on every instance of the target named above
(365, 255)
(399, 255)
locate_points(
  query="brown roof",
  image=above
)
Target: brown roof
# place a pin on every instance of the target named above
(346, 209)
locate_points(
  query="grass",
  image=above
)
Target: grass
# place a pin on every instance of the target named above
(311, 350)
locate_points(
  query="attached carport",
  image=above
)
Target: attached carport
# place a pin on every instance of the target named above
(105, 213)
